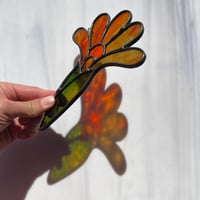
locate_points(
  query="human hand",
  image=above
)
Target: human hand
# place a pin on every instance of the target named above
(20, 110)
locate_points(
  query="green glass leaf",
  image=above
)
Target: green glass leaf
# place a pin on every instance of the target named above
(67, 93)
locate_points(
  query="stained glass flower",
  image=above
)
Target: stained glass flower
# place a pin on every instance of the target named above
(106, 43)
(100, 126)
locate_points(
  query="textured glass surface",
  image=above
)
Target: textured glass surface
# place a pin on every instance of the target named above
(106, 43)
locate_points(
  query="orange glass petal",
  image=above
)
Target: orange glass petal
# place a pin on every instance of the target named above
(131, 57)
(81, 38)
(98, 28)
(129, 36)
(97, 51)
(116, 25)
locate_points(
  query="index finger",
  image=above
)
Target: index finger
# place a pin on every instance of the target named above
(18, 92)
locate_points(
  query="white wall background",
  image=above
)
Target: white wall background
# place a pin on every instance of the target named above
(160, 99)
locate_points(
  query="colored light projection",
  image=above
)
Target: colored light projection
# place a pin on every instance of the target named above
(100, 126)
(106, 43)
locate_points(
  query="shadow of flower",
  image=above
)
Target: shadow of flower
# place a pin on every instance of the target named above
(100, 126)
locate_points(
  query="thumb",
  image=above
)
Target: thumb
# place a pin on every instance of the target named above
(30, 109)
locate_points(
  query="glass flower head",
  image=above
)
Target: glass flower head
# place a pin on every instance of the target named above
(106, 43)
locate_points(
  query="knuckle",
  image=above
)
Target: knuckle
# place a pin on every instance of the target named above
(32, 108)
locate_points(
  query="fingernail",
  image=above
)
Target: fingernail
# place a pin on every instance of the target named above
(47, 102)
